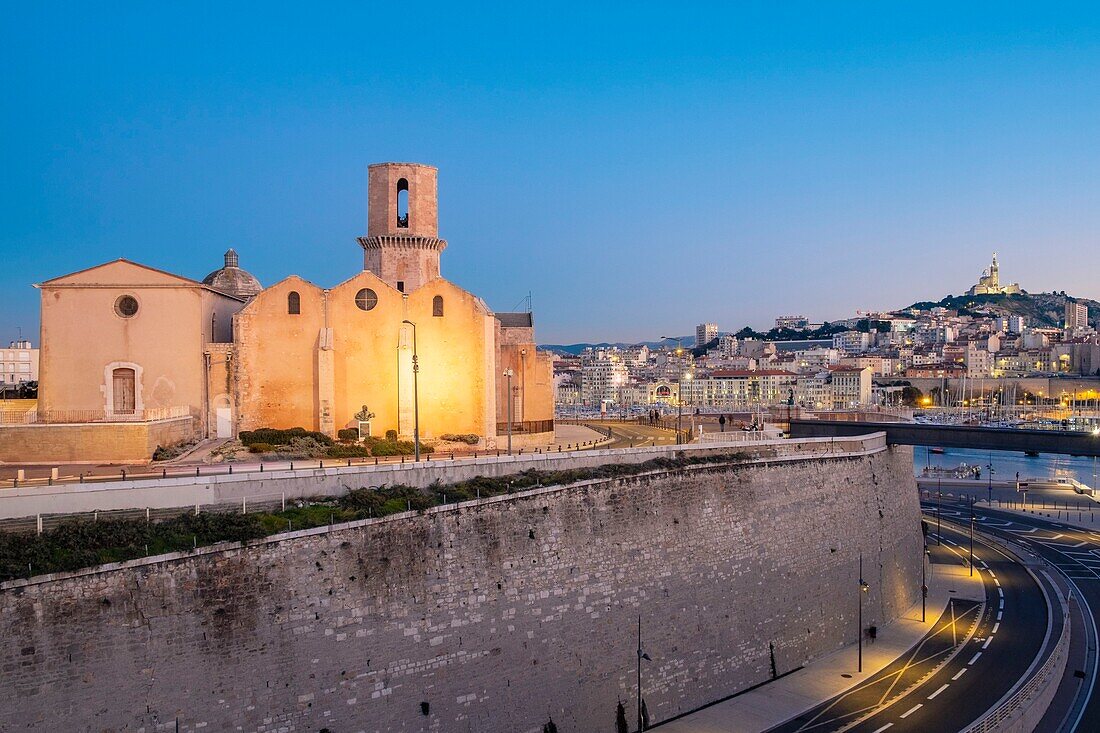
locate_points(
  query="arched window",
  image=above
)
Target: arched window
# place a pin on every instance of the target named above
(437, 306)
(293, 303)
(403, 204)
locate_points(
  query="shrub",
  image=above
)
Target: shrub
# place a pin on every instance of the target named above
(347, 451)
(379, 447)
(303, 447)
(281, 437)
(391, 436)
(467, 438)
(261, 448)
(348, 434)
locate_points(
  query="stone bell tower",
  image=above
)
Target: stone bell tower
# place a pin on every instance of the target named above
(402, 245)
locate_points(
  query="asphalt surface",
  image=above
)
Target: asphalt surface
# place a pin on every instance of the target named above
(1076, 554)
(973, 656)
(632, 435)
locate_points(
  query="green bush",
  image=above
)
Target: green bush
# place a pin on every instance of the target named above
(348, 433)
(260, 448)
(302, 447)
(467, 438)
(379, 447)
(281, 437)
(391, 436)
(347, 451)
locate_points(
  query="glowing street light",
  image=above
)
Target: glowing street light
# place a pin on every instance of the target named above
(416, 395)
(508, 374)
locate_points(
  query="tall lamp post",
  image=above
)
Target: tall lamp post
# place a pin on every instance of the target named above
(989, 466)
(416, 395)
(924, 560)
(863, 587)
(971, 536)
(641, 655)
(680, 406)
(508, 373)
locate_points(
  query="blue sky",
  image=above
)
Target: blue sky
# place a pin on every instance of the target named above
(639, 168)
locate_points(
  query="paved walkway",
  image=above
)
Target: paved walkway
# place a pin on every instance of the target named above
(776, 702)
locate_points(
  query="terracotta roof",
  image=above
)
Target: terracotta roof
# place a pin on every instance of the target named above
(725, 373)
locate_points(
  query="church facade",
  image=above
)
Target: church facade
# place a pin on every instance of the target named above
(125, 344)
(990, 282)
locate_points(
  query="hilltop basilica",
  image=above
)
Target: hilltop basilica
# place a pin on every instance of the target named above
(990, 282)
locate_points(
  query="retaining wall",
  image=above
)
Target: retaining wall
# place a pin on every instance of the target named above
(486, 616)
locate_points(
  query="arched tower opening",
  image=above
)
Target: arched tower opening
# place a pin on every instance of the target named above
(403, 204)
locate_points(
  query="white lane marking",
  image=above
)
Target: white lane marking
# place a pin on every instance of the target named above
(999, 614)
(1002, 604)
(987, 642)
(996, 582)
(1081, 544)
(959, 674)
(942, 688)
(1057, 536)
(912, 710)
(879, 730)
(1001, 593)
(992, 574)
(995, 627)
(973, 659)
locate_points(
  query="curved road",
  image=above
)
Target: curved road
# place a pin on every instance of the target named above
(974, 655)
(1075, 552)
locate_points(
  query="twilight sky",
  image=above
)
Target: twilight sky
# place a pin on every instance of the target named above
(638, 169)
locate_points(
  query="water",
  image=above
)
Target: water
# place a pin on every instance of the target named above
(1007, 463)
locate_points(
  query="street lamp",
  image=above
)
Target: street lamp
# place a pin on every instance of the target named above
(641, 655)
(508, 373)
(416, 395)
(863, 588)
(925, 558)
(972, 536)
(680, 407)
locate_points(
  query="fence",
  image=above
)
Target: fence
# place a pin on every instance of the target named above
(250, 503)
(526, 426)
(40, 417)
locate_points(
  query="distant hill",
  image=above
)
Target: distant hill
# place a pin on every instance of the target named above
(688, 342)
(1041, 309)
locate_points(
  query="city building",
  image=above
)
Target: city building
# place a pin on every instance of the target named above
(705, 333)
(1077, 317)
(990, 282)
(124, 341)
(794, 323)
(850, 387)
(18, 364)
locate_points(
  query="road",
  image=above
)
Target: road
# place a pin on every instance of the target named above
(975, 653)
(1076, 554)
(633, 435)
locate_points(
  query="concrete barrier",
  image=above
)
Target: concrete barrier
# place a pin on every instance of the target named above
(191, 491)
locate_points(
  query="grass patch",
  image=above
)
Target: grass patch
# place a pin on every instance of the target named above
(81, 543)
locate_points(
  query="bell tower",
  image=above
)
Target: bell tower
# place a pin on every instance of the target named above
(402, 245)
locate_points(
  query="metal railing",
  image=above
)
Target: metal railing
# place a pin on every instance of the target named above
(526, 426)
(995, 719)
(41, 417)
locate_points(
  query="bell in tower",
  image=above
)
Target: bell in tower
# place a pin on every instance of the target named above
(402, 245)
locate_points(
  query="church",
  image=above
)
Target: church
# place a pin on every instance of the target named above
(134, 357)
(990, 282)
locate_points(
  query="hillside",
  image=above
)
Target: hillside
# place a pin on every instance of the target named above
(1041, 309)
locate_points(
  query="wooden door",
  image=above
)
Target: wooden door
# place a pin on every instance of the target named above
(123, 387)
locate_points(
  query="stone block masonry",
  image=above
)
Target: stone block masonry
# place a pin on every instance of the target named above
(488, 617)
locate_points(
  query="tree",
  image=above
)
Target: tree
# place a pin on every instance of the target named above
(911, 396)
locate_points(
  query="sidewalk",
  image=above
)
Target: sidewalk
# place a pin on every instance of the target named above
(781, 700)
(1085, 517)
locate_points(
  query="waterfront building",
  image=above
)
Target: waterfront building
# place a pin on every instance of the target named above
(18, 365)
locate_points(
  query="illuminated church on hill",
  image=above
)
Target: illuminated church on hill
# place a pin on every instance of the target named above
(990, 282)
(123, 342)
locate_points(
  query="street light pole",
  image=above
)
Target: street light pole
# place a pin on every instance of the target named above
(641, 655)
(923, 583)
(862, 589)
(971, 536)
(508, 374)
(416, 395)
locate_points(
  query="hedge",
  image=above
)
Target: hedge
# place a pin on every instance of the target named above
(275, 436)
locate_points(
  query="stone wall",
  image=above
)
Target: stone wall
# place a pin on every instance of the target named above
(483, 617)
(115, 442)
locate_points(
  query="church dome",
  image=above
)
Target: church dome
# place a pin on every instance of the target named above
(232, 279)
